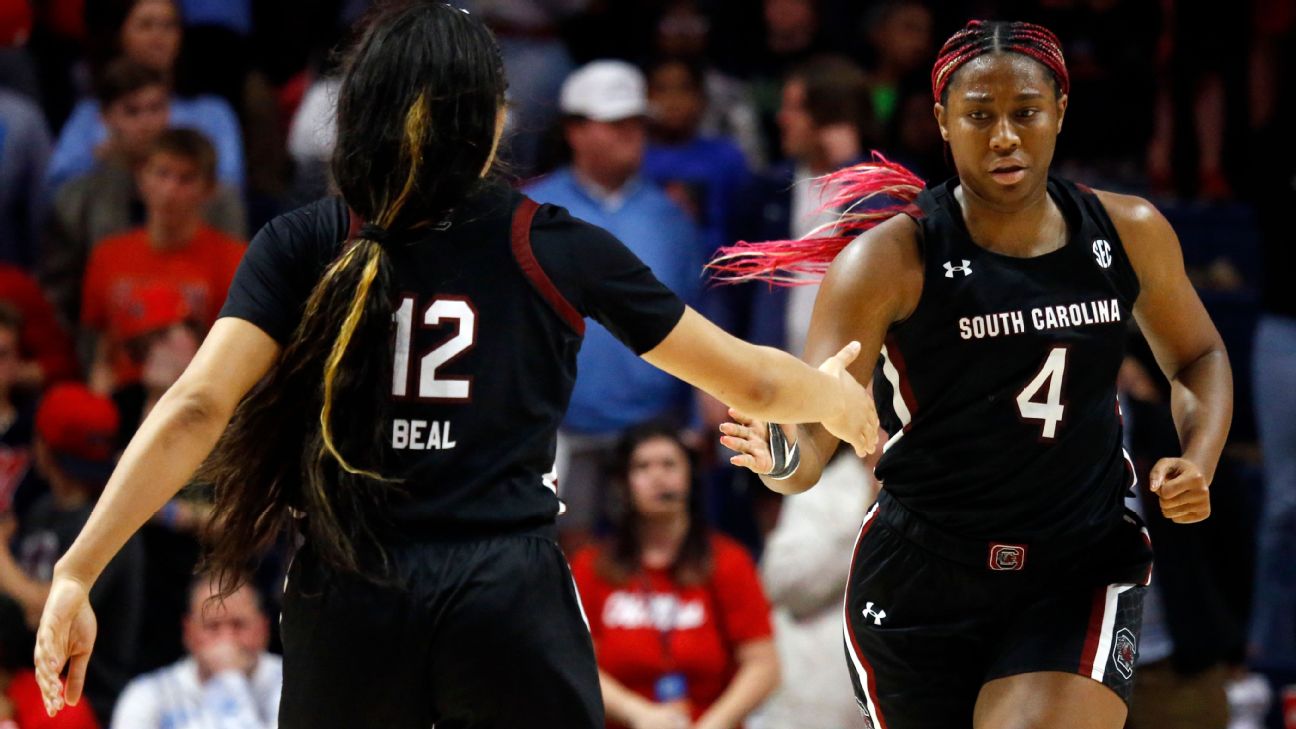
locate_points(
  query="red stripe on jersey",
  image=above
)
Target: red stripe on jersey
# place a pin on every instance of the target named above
(354, 223)
(906, 391)
(850, 628)
(526, 260)
(1088, 654)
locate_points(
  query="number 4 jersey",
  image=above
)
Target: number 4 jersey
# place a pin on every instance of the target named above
(999, 391)
(489, 311)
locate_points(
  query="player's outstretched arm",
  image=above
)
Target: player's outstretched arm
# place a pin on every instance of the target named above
(169, 446)
(874, 282)
(1190, 352)
(768, 382)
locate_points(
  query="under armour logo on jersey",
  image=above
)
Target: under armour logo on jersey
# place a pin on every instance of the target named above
(950, 268)
(877, 615)
(1102, 253)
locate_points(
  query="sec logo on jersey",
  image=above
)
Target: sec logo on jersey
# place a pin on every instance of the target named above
(1102, 252)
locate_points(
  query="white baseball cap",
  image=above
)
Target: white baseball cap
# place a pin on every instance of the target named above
(605, 91)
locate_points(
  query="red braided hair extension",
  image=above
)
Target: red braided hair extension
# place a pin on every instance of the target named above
(980, 37)
(854, 190)
(872, 192)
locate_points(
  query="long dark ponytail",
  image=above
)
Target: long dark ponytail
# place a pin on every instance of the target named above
(417, 115)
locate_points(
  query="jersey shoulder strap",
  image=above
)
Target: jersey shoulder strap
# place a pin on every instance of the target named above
(1101, 242)
(520, 244)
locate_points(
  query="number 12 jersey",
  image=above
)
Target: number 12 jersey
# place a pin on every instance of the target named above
(489, 311)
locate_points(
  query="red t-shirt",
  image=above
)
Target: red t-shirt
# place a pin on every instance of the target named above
(703, 624)
(29, 710)
(201, 271)
(43, 338)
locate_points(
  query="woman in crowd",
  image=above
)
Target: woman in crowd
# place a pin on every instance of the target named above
(681, 625)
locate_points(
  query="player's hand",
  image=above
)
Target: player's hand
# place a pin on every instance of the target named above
(856, 421)
(1182, 489)
(750, 438)
(64, 639)
(660, 716)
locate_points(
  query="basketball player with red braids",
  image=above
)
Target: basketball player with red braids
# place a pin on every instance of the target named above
(998, 582)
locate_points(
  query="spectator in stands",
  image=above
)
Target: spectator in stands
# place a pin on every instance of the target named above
(161, 337)
(684, 32)
(1273, 628)
(227, 680)
(24, 152)
(824, 121)
(911, 138)
(75, 432)
(680, 623)
(899, 36)
(804, 568)
(312, 136)
(45, 349)
(701, 174)
(792, 37)
(20, 699)
(536, 61)
(605, 104)
(16, 417)
(175, 247)
(106, 201)
(148, 32)
(17, 67)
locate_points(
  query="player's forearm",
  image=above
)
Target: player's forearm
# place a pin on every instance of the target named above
(756, 679)
(1202, 403)
(170, 445)
(788, 390)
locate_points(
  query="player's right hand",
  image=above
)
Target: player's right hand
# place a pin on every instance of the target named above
(855, 419)
(750, 438)
(64, 639)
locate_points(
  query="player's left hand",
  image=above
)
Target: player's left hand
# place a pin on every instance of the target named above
(1182, 489)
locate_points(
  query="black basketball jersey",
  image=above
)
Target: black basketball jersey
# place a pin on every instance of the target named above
(999, 391)
(487, 324)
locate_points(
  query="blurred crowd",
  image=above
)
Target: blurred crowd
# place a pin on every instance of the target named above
(143, 141)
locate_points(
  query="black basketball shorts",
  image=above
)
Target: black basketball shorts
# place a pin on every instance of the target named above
(930, 618)
(474, 633)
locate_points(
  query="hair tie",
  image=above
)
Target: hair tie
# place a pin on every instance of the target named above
(375, 233)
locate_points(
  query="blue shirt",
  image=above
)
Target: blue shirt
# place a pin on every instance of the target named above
(85, 130)
(713, 172)
(614, 388)
(24, 151)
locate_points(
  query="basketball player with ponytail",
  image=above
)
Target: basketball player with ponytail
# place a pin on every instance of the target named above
(391, 390)
(998, 582)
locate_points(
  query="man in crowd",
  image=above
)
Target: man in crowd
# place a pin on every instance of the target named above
(107, 201)
(227, 681)
(605, 104)
(175, 248)
(74, 454)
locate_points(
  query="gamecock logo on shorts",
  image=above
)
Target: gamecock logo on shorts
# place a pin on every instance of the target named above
(1007, 557)
(1124, 652)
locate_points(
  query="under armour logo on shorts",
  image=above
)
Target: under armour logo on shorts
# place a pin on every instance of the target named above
(877, 615)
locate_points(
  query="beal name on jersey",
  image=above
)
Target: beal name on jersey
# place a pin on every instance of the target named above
(1061, 316)
(421, 435)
